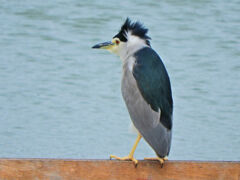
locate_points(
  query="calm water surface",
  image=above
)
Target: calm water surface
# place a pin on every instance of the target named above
(61, 99)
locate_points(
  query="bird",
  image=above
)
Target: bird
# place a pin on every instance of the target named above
(145, 87)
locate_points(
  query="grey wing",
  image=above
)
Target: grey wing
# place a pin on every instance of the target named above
(147, 123)
(144, 101)
(154, 84)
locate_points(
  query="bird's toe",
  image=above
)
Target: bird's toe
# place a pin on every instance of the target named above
(126, 158)
(161, 160)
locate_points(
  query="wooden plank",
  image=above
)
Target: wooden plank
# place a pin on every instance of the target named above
(64, 169)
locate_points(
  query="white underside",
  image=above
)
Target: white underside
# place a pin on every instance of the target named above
(133, 129)
(126, 51)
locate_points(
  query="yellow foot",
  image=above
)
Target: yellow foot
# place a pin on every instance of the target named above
(161, 160)
(127, 158)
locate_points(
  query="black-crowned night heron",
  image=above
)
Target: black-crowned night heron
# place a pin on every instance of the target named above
(146, 88)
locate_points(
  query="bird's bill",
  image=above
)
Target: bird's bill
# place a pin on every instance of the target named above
(106, 45)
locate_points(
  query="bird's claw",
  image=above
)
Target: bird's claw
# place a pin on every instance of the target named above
(161, 160)
(126, 158)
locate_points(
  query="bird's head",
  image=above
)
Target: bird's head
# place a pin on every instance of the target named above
(131, 37)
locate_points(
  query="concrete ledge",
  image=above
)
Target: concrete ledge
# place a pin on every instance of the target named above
(64, 169)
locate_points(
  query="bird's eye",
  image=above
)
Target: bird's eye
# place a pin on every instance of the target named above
(117, 42)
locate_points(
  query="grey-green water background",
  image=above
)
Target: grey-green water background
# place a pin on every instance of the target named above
(61, 99)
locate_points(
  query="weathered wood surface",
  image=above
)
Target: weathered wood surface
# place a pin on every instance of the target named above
(64, 169)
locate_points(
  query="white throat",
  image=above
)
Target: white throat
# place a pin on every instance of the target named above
(133, 44)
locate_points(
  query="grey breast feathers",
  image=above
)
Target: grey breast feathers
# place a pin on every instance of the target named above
(144, 104)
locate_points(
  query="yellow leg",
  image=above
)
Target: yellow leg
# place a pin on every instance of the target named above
(161, 160)
(135, 145)
(130, 156)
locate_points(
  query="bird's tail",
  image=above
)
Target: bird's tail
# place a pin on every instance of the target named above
(159, 138)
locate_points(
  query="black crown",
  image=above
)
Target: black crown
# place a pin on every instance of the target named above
(136, 28)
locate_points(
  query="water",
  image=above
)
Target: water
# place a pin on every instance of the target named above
(61, 99)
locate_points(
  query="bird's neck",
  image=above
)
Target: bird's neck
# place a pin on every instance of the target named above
(133, 44)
